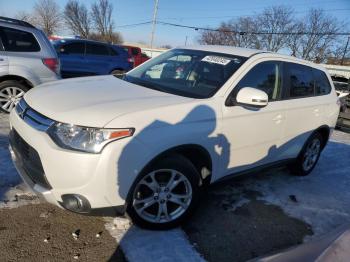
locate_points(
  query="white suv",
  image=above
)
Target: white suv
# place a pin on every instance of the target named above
(149, 143)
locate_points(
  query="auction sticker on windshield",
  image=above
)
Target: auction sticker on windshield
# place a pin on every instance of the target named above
(216, 59)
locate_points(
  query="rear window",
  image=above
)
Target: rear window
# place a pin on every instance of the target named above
(96, 49)
(322, 85)
(135, 51)
(301, 81)
(15, 40)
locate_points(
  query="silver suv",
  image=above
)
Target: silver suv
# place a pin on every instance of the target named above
(27, 59)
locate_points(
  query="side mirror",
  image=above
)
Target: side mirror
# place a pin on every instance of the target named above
(249, 96)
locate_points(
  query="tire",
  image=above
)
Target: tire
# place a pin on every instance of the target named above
(164, 192)
(309, 155)
(11, 91)
(118, 73)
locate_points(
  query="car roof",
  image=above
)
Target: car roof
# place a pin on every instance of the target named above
(248, 52)
(70, 40)
(232, 50)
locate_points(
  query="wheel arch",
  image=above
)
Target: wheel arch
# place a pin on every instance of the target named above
(325, 131)
(17, 78)
(196, 154)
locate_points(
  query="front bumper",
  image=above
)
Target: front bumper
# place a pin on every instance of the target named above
(93, 176)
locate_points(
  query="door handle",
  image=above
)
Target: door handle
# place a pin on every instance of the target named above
(1, 59)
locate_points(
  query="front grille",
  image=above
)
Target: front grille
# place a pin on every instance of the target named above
(32, 117)
(29, 159)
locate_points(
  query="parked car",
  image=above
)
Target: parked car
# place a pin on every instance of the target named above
(81, 57)
(136, 54)
(27, 59)
(150, 143)
(343, 91)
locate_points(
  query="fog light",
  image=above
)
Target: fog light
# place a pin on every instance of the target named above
(76, 203)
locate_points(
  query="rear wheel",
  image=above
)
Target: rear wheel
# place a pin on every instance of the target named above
(164, 195)
(11, 92)
(309, 155)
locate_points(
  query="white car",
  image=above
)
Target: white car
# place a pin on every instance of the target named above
(148, 144)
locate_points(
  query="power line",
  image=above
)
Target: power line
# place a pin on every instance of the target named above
(137, 24)
(253, 32)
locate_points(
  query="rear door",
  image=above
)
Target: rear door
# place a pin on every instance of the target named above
(98, 58)
(72, 59)
(305, 109)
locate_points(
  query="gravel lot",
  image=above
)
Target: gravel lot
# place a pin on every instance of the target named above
(238, 220)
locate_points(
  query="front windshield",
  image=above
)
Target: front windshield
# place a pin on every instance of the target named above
(190, 73)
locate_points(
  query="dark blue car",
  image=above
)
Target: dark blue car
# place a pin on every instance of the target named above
(81, 57)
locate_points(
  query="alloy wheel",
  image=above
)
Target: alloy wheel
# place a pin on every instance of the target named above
(9, 97)
(162, 196)
(311, 154)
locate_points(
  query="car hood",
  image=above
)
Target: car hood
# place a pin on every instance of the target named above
(95, 101)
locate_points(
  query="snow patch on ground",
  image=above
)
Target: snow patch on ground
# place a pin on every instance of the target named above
(148, 246)
(322, 198)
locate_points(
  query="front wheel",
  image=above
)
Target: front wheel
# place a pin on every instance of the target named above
(309, 155)
(164, 195)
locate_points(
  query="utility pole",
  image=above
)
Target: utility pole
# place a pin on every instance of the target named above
(186, 40)
(154, 21)
(346, 49)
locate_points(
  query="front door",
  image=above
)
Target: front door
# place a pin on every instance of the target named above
(254, 134)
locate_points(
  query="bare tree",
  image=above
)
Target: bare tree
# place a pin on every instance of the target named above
(233, 33)
(317, 38)
(77, 18)
(25, 16)
(47, 16)
(274, 21)
(101, 14)
(114, 37)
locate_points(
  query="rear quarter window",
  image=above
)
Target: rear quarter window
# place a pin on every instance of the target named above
(14, 40)
(322, 85)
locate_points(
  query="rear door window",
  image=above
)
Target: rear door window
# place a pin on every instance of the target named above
(15, 40)
(72, 48)
(300, 80)
(265, 76)
(113, 51)
(96, 49)
(322, 85)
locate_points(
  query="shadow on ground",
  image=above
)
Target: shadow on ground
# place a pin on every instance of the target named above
(231, 224)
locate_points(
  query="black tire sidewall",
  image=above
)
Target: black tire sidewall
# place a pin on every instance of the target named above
(11, 83)
(176, 162)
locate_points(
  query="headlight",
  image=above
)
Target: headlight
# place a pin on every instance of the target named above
(86, 139)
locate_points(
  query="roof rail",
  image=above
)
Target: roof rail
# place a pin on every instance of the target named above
(15, 21)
